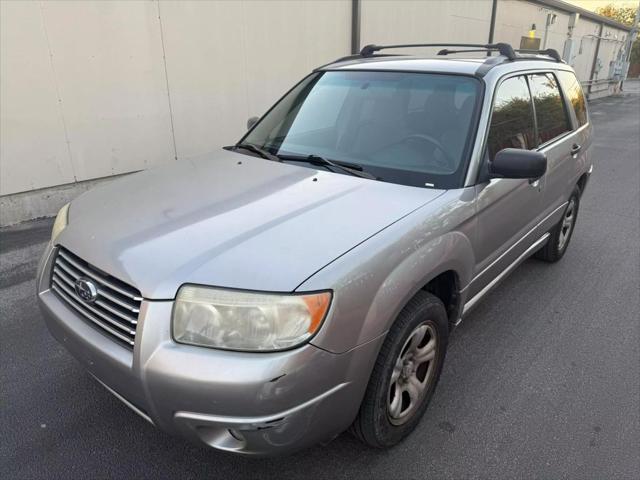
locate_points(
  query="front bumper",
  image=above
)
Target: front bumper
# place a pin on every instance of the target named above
(252, 403)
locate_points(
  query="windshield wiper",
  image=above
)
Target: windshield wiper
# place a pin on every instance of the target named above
(350, 168)
(257, 150)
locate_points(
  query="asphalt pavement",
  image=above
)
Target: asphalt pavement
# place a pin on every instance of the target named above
(542, 380)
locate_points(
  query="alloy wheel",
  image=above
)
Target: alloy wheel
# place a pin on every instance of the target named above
(568, 222)
(412, 373)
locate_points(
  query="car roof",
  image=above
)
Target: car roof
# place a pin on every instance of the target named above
(456, 65)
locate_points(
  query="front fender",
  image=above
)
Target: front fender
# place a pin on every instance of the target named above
(449, 252)
(374, 281)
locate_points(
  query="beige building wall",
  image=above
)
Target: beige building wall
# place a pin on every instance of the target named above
(584, 35)
(408, 21)
(229, 60)
(93, 89)
(515, 18)
(610, 46)
(85, 94)
(32, 133)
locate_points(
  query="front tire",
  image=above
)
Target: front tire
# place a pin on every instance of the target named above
(405, 374)
(560, 236)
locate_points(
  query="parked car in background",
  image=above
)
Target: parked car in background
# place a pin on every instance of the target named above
(306, 279)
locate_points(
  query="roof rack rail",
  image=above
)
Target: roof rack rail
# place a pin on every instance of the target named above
(549, 52)
(506, 51)
(446, 51)
(503, 48)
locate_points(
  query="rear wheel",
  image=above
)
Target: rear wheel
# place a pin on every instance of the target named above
(405, 374)
(560, 236)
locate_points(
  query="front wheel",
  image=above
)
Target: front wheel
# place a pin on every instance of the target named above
(405, 374)
(561, 233)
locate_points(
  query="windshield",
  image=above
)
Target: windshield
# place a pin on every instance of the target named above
(407, 128)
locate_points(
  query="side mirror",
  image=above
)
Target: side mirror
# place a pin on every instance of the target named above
(517, 163)
(252, 121)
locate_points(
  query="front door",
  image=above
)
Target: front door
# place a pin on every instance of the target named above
(507, 209)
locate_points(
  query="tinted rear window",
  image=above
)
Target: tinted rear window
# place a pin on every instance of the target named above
(573, 91)
(550, 111)
(512, 118)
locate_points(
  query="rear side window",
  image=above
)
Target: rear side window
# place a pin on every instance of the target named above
(512, 118)
(574, 94)
(550, 110)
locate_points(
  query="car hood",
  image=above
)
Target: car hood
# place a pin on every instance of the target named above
(229, 220)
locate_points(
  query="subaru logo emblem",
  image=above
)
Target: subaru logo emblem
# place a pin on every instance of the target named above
(86, 289)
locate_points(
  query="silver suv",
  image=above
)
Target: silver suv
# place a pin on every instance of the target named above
(306, 280)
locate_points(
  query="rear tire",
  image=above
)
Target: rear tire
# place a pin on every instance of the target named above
(558, 242)
(405, 374)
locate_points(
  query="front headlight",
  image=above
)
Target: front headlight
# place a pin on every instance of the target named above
(60, 223)
(237, 320)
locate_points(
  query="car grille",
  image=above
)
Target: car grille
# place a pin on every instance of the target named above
(115, 309)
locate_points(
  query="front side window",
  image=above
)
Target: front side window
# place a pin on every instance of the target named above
(512, 124)
(408, 128)
(575, 95)
(550, 110)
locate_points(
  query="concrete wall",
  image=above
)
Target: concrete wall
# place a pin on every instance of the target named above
(95, 89)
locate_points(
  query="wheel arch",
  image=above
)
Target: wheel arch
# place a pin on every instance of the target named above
(582, 182)
(442, 267)
(370, 298)
(446, 286)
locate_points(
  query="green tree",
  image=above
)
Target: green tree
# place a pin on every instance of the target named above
(625, 15)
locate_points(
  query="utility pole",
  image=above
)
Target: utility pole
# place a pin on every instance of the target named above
(595, 58)
(629, 45)
(355, 26)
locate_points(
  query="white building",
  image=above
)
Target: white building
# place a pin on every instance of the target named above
(94, 89)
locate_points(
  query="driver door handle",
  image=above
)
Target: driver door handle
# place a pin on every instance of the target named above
(575, 149)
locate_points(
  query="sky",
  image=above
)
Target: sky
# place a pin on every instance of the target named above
(593, 4)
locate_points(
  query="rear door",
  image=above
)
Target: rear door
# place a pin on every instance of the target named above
(556, 138)
(578, 140)
(507, 208)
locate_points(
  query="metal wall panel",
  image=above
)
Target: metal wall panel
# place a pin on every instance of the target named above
(33, 151)
(85, 93)
(406, 21)
(515, 18)
(585, 37)
(229, 60)
(93, 89)
(611, 43)
(108, 64)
